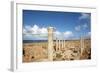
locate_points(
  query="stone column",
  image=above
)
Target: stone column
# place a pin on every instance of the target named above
(82, 45)
(62, 43)
(50, 43)
(59, 44)
(56, 44)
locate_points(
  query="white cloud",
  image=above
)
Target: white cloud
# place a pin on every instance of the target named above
(27, 27)
(43, 30)
(78, 28)
(24, 31)
(35, 32)
(89, 33)
(68, 34)
(84, 16)
(63, 35)
(57, 33)
(34, 29)
(81, 27)
(85, 26)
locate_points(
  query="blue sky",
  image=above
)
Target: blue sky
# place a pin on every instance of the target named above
(69, 24)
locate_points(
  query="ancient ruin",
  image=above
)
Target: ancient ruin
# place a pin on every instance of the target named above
(57, 50)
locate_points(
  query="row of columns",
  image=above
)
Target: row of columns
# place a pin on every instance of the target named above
(60, 44)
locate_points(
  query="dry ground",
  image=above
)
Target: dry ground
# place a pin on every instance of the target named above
(34, 52)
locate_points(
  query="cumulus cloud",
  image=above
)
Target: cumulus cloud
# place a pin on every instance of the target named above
(64, 35)
(57, 33)
(35, 32)
(68, 34)
(34, 29)
(43, 30)
(84, 16)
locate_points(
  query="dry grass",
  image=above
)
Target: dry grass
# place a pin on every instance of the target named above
(34, 52)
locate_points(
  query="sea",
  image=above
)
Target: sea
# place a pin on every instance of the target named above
(34, 41)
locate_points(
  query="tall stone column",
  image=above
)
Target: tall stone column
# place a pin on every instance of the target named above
(82, 45)
(62, 44)
(50, 43)
(56, 44)
(59, 44)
